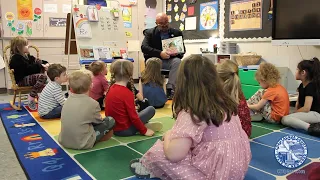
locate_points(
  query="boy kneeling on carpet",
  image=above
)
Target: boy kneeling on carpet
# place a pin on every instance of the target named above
(81, 123)
(51, 98)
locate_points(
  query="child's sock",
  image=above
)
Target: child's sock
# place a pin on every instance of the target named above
(139, 170)
(31, 103)
(154, 126)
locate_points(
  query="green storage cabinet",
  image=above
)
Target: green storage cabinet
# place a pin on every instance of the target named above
(248, 77)
(248, 82)
(249, 90)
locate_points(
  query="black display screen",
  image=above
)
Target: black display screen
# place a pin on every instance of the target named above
(296, 19)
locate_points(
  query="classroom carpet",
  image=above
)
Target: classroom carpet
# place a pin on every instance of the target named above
(40, 155)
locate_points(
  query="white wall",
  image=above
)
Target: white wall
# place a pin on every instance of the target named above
(281, 56)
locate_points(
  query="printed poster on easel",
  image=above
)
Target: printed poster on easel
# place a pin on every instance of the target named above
(82, 26)
(245, 15)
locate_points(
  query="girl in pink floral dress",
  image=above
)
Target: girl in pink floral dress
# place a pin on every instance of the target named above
(207, 140)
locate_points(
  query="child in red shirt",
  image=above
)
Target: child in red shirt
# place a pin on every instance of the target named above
(119, 104)
(228, 72)
(99, 82)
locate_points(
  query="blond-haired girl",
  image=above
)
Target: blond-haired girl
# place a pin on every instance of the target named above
(206, 141)
(120, 104)
(228, 72)
(272, 102)
(152, 85)
(28, 70)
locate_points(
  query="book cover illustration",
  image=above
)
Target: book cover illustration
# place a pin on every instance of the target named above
(173, 45)
(101, 52)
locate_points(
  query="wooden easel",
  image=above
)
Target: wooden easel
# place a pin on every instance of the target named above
(73, 43)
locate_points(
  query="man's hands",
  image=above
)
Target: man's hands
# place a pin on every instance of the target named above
(164, 55)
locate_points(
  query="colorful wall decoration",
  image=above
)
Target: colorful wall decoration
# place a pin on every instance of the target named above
(24, 9)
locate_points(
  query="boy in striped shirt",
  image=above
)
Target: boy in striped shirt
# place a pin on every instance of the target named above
(51, 98)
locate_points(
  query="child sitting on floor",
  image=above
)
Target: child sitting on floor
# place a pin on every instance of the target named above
(272, 102)
(28, 70)
(81, 123)
(140, 102)
(307, 115)
(228, 72)
(99, 81)
(206, 141)
(152, 85)
(51, 98)
(120, 104)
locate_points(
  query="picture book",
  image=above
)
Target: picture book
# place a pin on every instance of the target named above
(173, 45)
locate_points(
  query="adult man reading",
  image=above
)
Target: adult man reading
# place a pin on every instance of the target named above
(152, 47)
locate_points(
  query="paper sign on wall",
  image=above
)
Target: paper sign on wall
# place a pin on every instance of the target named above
(66, 8)
(57, 22)
(191, 23)
(134, 46)
(24, 8)
(245, 15)
(50, 8)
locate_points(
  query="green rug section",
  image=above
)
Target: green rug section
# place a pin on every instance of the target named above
(100, 145)
(269, 125)
(258, 131)
(167, 123)
(111, 163)
(144, 146)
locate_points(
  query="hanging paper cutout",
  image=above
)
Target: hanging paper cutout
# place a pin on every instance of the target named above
(20, 28)
(24, 8)
(128, 34)
(133, 2)
(176, 8)
(177, 17)
(190, 10)
(176, 1)
(37, 14)
(184, 8)
(29, 28)
(9, 16)
(92, 14)
(169, 7)
(182, 16)
(127, 16)
(181, 27)
(10, 21)
(169, 18)
(183, 1)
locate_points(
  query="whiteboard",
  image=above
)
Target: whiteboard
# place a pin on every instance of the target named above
(104, 30)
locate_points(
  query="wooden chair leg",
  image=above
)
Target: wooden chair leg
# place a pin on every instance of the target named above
(19, 104)
(13, 102)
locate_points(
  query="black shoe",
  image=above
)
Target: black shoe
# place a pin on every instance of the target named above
(66, 95)
(170, 94)
(314, 129)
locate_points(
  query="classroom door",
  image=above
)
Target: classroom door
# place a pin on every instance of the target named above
(55, 21)
(18, 18)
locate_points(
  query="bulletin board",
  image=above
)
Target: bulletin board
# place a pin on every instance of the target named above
(197, 19)
(247, 19)
(98, 28)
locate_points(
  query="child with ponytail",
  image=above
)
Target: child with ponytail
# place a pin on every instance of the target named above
(228, 72)
(307, 115)
(119, 104)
